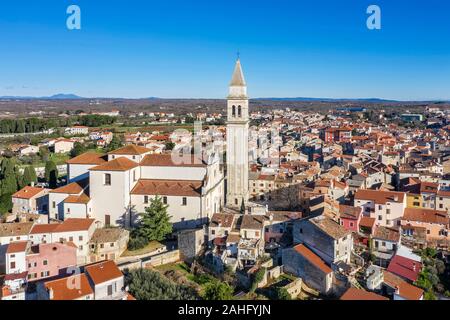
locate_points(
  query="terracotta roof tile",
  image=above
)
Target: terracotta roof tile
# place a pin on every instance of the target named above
(27, 192)
(19, 246)
(44, 228)
(387, 234)
(74, 224)
(119, 164)
(404, 267)
(103, 271)
(379, 197)
(405, 290)
(71, 188)
(313, 258)
(359, 294)
(130, 149)
(63, 291)
(15, 229)
(83, 199)
(168, 187)
(165, 160)
(330, 227)
(426, 215)
(224, 220)
(88, 158)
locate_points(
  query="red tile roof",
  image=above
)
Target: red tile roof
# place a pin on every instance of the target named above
(71, 188)
(358, 294)
(83, 199)
(405, 290)
(119, 164)
(19, 246)
(426, 215)
(168, 187)
(349, 212)
(27, 192)
(74, 224)
(103, 271)
(130, 149)
(367, 222)
(313, 258)
(379, 197)
(165, 160)
(70, 288)
(88, 158)
(404, 267)
(44, 228)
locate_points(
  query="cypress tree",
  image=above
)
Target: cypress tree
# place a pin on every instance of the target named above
(29, 175)
(8, 177)
(51, 174)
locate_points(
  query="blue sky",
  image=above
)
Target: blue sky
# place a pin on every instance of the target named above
(174, 48)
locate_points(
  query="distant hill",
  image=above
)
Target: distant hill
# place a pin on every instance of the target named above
(65, 96)
(59, 96)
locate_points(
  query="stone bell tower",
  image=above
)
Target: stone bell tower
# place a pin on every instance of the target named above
(237, 140)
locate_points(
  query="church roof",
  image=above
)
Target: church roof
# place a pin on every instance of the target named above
(238, 76)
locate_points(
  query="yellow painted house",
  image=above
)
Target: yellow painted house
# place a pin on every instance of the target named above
(413, 200)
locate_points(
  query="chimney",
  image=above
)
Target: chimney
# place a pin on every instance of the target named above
(50, 294)
(397, 290)
(32, 183)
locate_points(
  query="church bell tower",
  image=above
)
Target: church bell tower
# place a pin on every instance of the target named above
(237, 140)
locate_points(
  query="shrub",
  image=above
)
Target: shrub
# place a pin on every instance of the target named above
(283, 294)
(216, 290)
(146, 284)
(137, 243)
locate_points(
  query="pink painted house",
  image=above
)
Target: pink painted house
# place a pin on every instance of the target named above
(350, 217)
(50, 259)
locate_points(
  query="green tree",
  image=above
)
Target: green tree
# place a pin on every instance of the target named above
(44, 153)
(51, 174)
(242, 209)
(115, 143)
(155, 221)
(8, 177)
(429, 295)
(146, 284)
(216, 290)
(29, 175)
(6, 204)
(170, 145)
(257, 278)
(283, 294)
(78, 149)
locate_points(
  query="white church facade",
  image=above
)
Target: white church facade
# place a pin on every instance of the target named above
(121, 184)
(114, 188)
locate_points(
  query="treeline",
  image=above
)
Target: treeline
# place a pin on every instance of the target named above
(31, 125)
(96, 120)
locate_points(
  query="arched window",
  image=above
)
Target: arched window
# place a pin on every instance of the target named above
(234, 111)
(239, 111)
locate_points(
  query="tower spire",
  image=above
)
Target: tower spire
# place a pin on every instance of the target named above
(238, 76)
